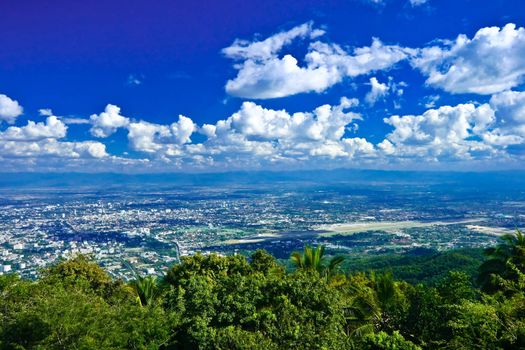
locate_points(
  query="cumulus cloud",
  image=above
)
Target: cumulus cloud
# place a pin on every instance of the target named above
(258, 137)
(52, 148)
(107, 122)
(52, 128)
(431, 100)
(255, 136)
(150, 137)
(264, 71)
(45, 112)
(491, 62)
(377, 91)
(510, 108)
(326, 122)
(42, 139)
(66, 120)
(268, 48)
(9, 109)
(462, 132)
(276, 136)
(142, 135)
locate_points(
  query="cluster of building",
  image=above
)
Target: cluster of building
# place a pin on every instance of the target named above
(129, 232)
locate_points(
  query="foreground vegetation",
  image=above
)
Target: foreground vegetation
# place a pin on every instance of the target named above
(213, 302)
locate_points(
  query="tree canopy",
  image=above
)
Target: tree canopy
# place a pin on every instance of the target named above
(238, 302)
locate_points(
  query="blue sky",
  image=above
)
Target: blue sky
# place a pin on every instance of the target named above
(139, 86)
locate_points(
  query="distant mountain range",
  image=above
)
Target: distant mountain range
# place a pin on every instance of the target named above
(507, 180)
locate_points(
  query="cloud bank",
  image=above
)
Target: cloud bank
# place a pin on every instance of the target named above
(488, 126)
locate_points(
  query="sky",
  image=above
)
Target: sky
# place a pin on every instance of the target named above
(192, 86)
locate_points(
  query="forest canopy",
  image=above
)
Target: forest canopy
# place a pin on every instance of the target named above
(238, 302)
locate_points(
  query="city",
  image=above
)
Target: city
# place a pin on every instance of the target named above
(150, 228)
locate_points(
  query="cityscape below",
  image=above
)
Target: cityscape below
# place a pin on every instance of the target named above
(150, 221)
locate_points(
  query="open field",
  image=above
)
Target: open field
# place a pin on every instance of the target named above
(493, 231)
(261, 237)
(387, 226)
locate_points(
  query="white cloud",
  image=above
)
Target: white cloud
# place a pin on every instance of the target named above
(142, 134)
(463, 132)
(41, 139)
(278, 137)
(361, 60)
(268, 48)
(66, 120)
(377, 90)
(52, 128)
(415, 3)
(182, 130)
(386, 147)
(279, 78)
(73, 120)
(256, 136)
(107, 122)
(149, 137)
(510, 108)
(89, 148)
(326, 122)
(134, 80)
(492, 61)
(37, 141)
(375, 2)
(52, 148)
(265, 71)
(45, 112)
(431, 100)
(9, 109)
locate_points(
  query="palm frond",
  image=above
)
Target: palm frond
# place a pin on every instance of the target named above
(297, 259)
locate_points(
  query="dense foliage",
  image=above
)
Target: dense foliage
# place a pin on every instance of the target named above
(424, 266)
(215, 302)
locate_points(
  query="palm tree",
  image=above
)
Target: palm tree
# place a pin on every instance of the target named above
(147, 289)
(510, 251)
(362, 311)
(313, 259)
(334, 263)
(384, 286)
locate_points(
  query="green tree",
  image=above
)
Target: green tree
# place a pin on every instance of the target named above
(231, 302)
(510, 249)
(426, 319)
(223, 300)
(475, 325)
(147, 289)
(456, 287)
(77, 305)
(385, 341)
(262, 261)
(313, 259)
